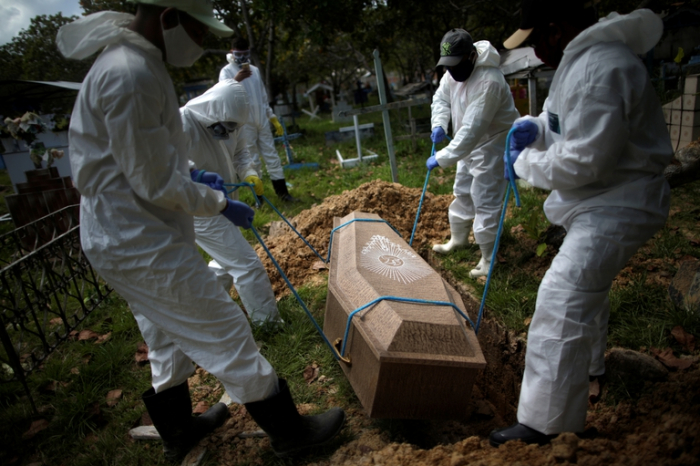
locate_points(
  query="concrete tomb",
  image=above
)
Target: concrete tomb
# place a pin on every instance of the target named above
(404, 360)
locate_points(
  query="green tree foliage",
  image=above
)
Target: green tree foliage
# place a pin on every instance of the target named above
(32, 54)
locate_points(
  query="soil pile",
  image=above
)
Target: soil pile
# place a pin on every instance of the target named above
(393, 202)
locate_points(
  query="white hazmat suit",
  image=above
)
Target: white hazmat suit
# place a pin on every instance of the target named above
(482, 111)
(232, 254)
(257, 130)
(128, 156)
(601, 149)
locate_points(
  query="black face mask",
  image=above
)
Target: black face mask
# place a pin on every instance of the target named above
(218, 131)
(462, 70)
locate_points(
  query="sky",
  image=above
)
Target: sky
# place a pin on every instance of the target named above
(15, 15)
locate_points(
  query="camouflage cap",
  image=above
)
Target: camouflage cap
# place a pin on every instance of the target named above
(454, 46)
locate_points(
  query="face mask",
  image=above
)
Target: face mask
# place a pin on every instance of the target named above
(462, 70)
(222, 129)
(180, 49)
(241, 57)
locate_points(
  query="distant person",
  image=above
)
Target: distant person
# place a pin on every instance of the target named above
(600, 146)
(257, 131)
(476, 97)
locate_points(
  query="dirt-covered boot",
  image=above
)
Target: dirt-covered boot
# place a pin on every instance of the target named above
(282, 191)
(171, 413)
(459, 238)
(482, 268)
(289, 431)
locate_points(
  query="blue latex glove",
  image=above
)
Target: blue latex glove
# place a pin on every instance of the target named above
(211, 179)
(431, 162)
(438, 135)
(238, 213)
(514, 153)
(525, 133)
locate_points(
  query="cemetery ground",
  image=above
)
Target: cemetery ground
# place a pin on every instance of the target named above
(647, 412)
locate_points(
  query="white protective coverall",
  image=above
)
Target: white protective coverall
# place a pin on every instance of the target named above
(482, 112)
(128, 156)
(257, 130)
(601, 149)
(223, 241)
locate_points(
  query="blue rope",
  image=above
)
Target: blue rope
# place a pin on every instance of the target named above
(294, 291)
(330, 243)
(420, 204)
(292, 227)
(404, 300)
(511, 184)
(243, 185)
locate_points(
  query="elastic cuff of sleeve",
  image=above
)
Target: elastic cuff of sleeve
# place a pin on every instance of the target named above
(200, 174)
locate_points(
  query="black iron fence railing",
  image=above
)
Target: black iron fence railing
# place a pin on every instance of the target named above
(47, 287)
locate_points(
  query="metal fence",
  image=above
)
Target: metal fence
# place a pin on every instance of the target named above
(47, 287)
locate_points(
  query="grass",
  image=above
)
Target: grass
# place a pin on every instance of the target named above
(83, 430)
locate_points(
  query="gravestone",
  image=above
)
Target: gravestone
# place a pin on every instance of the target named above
(404, 360)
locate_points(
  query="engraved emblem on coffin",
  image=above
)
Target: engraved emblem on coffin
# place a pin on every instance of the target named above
(407, 360)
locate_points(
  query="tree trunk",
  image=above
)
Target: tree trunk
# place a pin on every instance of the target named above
(251, 40)
(268, 65)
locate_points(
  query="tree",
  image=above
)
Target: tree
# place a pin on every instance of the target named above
(33, 55)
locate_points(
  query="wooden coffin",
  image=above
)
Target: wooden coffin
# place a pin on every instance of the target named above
(406, 360)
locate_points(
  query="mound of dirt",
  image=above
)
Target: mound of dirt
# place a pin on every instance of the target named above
(393, 202)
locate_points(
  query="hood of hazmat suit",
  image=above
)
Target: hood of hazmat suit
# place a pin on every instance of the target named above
(481, 109)
(602, 138)
(226, 101)
(128, 155)
(260, 111)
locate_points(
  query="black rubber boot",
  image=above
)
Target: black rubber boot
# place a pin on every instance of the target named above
(518, 432)
(171, 413)
(289, 431)
(282, 191)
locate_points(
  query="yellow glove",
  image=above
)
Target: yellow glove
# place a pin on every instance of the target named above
(279, 131)
(257, 184)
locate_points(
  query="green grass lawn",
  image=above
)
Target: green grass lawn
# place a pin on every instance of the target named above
(71, 389)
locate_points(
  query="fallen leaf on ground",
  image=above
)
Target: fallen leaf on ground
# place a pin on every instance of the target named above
(527, 320)
(56, 321)
(102, 338)
(113, 397)
(87, 335)
(319, 265)
(685, 339)
(311, 373)
(75, 371)
(35, 428)
(668, 359)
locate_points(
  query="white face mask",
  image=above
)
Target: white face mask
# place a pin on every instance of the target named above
(180, 49)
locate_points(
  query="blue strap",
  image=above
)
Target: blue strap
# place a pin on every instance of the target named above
(294, 292)
(420, 204)
(235, 187)
(330, 243)
(513, 185)
(293, 229)
(402, 300)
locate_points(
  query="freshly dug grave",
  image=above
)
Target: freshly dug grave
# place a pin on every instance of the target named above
(661, 427)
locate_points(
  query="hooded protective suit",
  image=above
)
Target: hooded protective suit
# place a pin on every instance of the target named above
(233, 256)
(482, 112)
(601, 148)
(257, 130)
(128, 156)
